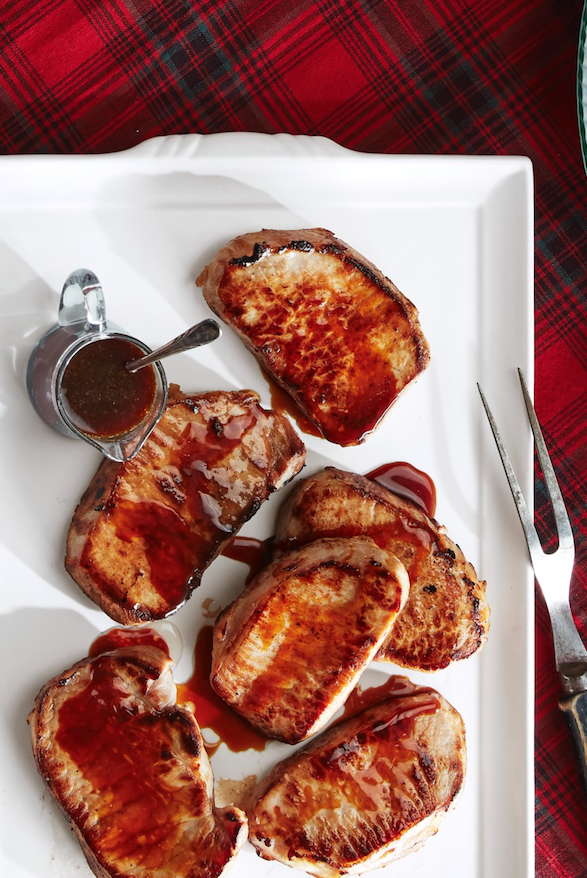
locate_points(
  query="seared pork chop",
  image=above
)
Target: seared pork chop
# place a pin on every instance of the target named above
(324, 323)
(365, 792)
(289, 650)
(146, 529)
(446, 616)
(129, 769)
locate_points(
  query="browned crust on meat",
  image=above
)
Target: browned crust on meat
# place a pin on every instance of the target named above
(338, 336)
(143, 682)
(367, 791)
(145, 530)
(446, 617)
(289, 650)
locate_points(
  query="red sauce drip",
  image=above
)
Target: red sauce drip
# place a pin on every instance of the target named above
(281, 401)
(408, 482)
(101, 397)
(210, 710)
(250, 551)
(120, 637)
(360, 699)
(124, 752)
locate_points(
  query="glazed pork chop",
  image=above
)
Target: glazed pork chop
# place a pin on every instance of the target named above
(324, 323)
(365, 792)
(446, 616)
(146, 530)
(290, 649)
(129, 769)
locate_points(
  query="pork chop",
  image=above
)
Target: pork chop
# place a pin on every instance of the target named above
(129, 769)
(446, 616)
(289, 650)
(324, 323)
(146, 529)
(365, 792)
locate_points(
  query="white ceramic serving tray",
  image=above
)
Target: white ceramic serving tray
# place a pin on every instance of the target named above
(455, 234)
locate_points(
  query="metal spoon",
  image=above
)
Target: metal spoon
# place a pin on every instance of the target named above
(200, 334)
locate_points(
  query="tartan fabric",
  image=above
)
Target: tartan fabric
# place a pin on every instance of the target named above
(397, 76)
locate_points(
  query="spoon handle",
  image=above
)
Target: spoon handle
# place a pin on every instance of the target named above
(200, 334)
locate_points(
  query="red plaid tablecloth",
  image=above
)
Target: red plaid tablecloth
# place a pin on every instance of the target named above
(396, 76)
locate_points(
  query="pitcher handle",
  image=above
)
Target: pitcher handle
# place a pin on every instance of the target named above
(82, 301)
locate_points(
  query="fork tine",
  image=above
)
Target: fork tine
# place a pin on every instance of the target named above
(526, 519)
(563, 525)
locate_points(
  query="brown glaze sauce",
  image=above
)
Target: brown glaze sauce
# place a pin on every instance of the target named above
(187, 488)
(364, 783)
(406, 481)
(196, 693)
(116, 638)
(101, 397)
(210, 710)
(395, 686)
(282, 401)
(124, 752)
(255, 553)
(171, 567)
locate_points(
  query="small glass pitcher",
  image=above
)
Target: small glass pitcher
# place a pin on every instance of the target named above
(77, 381)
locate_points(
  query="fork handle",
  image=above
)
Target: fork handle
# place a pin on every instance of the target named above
(574, 708)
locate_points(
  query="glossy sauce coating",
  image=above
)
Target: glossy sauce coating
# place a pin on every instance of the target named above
(408, 482)
(101, 397)
(116, 638)
(125, 753)
(359, 786)
(360, 699)
(186, 485)
(392, 738)
(171, 565)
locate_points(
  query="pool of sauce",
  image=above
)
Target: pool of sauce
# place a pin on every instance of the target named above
(408, 482)
(210, 710)
(255, 553)
(394, 686)
(100, 396)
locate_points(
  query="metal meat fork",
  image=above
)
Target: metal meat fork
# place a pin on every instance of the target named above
(553, 573)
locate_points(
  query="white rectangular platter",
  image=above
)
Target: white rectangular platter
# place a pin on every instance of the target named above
(455, 235)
